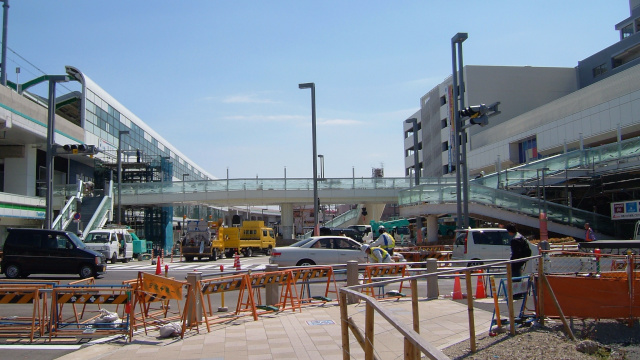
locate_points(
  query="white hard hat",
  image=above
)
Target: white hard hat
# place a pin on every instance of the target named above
(381, 227)
(364, 247)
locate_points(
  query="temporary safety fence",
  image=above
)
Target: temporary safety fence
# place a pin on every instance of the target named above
(591, 285)
(45, 287)
(288, 293)
(220, 286)
(23, 295)
(94, 296)
(386, 271)
(304, 277)
(88, 281)
(153, 289)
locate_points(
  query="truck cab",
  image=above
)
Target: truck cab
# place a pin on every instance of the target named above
(251, 236)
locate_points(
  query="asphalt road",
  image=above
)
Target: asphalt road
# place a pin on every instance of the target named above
(117, 273)
(14, 348)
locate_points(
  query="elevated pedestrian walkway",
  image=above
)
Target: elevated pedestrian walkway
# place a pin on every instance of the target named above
(499, 196)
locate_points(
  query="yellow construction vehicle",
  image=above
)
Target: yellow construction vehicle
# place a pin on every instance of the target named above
(250, 237)
(201, 240)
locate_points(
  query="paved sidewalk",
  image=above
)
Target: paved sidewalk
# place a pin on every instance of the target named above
(313, 333)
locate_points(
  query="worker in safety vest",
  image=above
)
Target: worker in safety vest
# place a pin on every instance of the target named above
(385, 241)
(376, 254)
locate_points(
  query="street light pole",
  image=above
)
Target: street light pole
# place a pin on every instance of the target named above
(312, 86)
(51, 120)
(5, 19)
(120, 133)
(416, 155)
(458, 103)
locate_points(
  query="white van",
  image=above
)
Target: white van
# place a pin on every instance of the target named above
(114, 244)
(483, 244)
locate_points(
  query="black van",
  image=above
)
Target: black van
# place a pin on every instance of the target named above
(37, 251)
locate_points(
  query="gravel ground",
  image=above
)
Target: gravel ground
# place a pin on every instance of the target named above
(607, 339)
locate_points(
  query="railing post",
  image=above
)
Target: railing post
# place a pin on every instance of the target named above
(472, 325)
(352, 279)
(272, 291)
(512, 325)
(415, 351)
(540, 290)
(194, 308)
(368, 332)
(432, 281)
(344, 326)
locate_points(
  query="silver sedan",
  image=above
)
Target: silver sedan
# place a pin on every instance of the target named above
(319, 250)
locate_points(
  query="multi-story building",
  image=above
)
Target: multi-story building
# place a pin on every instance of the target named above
(544, 112)
(87, 116)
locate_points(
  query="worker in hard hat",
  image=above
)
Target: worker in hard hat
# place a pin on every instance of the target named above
(385, 241)
(376, 254)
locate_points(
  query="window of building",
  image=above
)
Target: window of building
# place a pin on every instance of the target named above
(527, 150)
(443, 123)
(599, 70)
(626, 56)
(626, 31)
(443, 100)
(445, 146)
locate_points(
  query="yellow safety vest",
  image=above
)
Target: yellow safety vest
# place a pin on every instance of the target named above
(378, 255)
(389, 241)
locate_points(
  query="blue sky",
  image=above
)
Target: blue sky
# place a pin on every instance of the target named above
(219, 79)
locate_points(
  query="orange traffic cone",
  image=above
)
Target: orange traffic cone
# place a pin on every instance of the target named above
(158, 268)
(480, 293)
(236, 262)
(457, 290)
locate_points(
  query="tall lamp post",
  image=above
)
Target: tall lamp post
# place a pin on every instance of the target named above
(5, 19)
(460, 143)
(120, 133)
(51, 148)
(416, 155)
(312, 86)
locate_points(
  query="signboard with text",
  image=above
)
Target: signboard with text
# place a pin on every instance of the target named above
(625, 210)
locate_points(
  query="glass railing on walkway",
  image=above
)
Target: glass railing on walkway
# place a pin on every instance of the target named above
(577, 159)
(179, 187)
(506, 200)
(69, 209)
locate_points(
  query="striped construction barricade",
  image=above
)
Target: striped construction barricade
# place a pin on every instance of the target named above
(288, 293)
(158, 290)
(221, 285)
(45, 287)
(304, 277)
(98, 301)
(383, 270)
(25, 296)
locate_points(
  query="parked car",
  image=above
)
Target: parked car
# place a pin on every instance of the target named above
(37, 251)
(319, 250)
(483, 244)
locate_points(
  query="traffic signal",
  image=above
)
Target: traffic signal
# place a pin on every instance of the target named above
(364, 211)
(472, 111)
(480, 114)
(79, 149)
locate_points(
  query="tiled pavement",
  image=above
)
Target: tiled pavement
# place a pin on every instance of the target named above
(313, 333)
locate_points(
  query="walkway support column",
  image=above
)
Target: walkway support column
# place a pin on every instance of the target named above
(286, 221)
(432, 228)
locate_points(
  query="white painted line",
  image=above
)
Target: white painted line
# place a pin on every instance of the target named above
(40, 347)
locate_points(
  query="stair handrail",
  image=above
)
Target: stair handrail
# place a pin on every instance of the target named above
(66, 214)
(99, 216)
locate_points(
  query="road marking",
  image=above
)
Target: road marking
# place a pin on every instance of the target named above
(40, 347)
